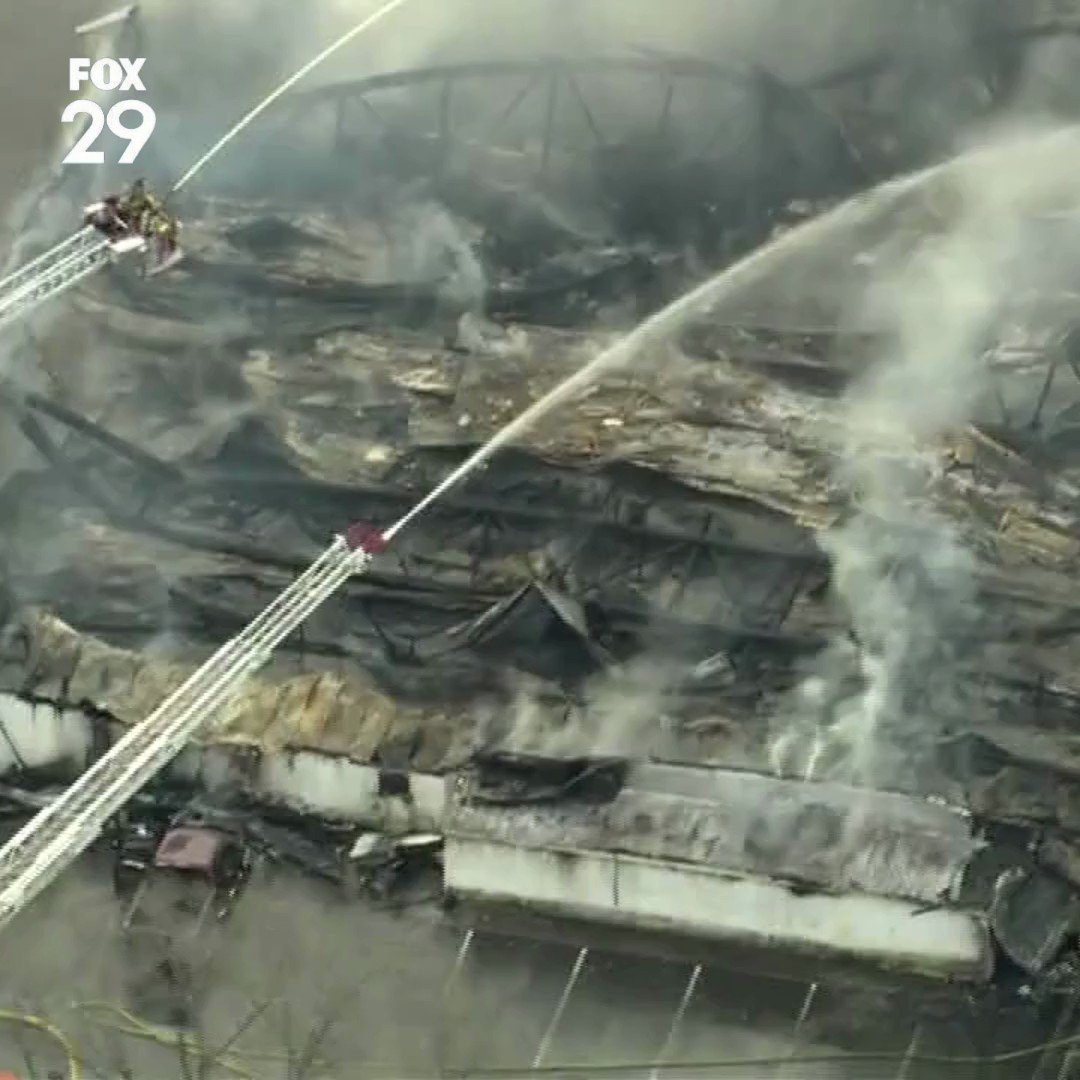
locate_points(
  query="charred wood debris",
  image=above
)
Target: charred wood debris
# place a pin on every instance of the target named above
(202, 439)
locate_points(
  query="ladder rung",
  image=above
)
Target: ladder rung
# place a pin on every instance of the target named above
(58, 251)
(64, 274)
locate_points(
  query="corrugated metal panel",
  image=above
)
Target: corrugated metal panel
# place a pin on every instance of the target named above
(704, 903)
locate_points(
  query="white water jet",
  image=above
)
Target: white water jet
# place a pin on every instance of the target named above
(858, 210)
(253, 114)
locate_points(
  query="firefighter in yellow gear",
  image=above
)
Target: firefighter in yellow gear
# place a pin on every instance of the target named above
(146, 214)
(134, 205)
(165, 230)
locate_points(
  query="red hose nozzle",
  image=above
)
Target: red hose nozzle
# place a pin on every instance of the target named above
(365, 538)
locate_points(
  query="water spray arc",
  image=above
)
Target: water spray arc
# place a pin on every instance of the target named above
(249, 117)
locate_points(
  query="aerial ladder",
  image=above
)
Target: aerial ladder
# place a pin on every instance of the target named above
(57, 270)
(62, 267)
(56, 836)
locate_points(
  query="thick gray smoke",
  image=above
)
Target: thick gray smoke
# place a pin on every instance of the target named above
(901, 569)
(620, 714)
(436, 250)
(208, 62)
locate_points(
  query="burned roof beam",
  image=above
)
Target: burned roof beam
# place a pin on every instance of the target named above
(512, 106)
(455, 504)
(788, 97)
(94, 431)
(349, 307)
(678, 66)
(775, 91)
(83, 487)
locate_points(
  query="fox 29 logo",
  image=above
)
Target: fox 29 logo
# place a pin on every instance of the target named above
(106, 75)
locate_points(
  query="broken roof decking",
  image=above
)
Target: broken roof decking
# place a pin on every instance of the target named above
(326, 711)
(358, 405)
(822, 836)
(132, 576)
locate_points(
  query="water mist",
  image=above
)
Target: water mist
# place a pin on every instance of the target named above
(872, 707)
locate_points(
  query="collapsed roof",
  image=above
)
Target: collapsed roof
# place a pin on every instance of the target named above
(644, 574)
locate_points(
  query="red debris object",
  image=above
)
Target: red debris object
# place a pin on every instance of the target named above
(365, 537)
(189, 848)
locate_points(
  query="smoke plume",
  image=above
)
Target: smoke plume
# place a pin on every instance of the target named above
(870, 710)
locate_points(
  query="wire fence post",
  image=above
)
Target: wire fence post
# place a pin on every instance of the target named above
(676, 1023)
(560, 1008)
(452, 980)
(909, 1053)
(800, 1020)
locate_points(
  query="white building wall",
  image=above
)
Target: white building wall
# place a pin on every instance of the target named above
(704, 903)
(39, 734)
(307, 781)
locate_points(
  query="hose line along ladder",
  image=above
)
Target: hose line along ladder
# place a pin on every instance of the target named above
(55, 836)
(54, 272)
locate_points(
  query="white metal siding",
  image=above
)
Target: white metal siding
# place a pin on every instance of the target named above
(705, 903)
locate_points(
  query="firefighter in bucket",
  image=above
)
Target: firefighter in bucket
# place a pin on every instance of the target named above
(138, 215)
